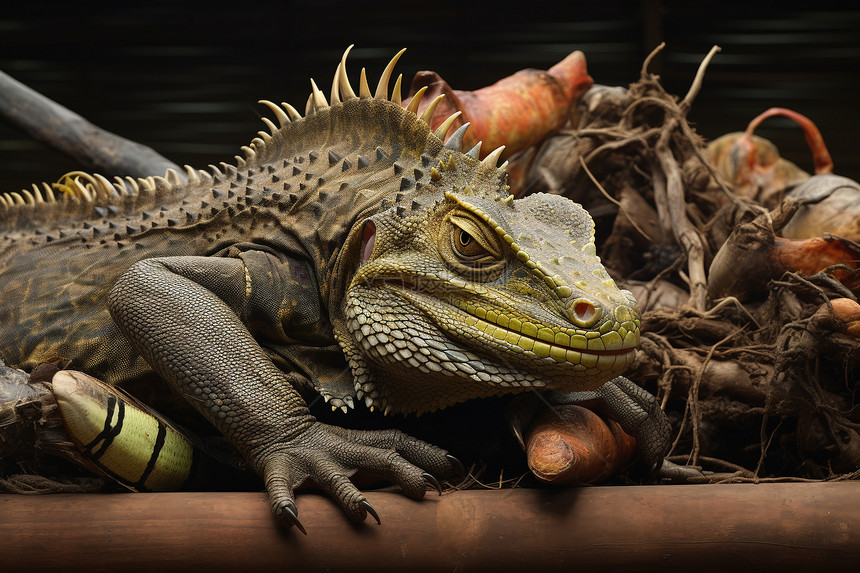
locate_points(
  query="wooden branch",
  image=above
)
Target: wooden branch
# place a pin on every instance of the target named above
(785, 526)
(94, 148)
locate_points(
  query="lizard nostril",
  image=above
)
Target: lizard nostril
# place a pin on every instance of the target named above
(583, 310)
(584, 313)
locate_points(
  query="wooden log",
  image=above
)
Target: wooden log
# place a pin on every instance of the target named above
(91, 146)
(776, 526)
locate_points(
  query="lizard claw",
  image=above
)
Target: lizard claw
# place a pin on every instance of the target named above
(289, 512)
(432, 481)
(369, 509)
(459, 470)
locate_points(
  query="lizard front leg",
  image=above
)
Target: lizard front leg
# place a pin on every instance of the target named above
(185, 316)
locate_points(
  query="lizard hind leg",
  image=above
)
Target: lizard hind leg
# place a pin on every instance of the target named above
(120, 438)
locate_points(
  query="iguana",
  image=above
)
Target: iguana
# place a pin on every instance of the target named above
(352, 253)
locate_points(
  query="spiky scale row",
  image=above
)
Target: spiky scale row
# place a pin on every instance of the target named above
(342, 91)
(80, 187)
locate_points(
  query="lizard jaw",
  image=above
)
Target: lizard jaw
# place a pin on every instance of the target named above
(565, 362)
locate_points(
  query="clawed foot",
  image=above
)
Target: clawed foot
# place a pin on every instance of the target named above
(329, 456)
(635, 409)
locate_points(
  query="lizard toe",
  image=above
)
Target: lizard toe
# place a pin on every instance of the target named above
(279, 487)
(332, 479)
(389, 465)
(418, 453)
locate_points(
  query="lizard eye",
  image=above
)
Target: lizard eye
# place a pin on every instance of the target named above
(466, 246)
(463, 238)
(471, 248)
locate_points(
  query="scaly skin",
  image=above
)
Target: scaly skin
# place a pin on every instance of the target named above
(350, 253)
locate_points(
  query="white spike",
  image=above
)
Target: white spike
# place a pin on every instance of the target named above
(264, 135)
(105, 186)
(3, 201)
(493, 158)
(270, 125)
(29, 199)
(84, 192)
(504, 165)
(294, 113)
(382, 86)
(282, 117)
(249, 153)
(120, 185)
(135, 186)
(475, 152)
(310, 109)
(416, 99)
(37, 194)
(455, 142)
(205, 177)
(428, 113)
(395, 93)
(363, 88)
(335, 86)
(216, 171)
(172, 178)
(319, 98)
(48, 193)
(346, 90)
(442, 130)
(193, 177)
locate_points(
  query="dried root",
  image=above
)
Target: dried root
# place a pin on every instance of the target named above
(752, 354)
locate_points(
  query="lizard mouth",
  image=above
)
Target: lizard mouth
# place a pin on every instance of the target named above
(609, 348)
(558, 344)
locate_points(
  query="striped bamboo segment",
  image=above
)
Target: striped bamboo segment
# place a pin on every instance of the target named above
(125, 440)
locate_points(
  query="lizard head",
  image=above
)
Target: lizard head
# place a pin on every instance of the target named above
(446, 287)
(462, 291)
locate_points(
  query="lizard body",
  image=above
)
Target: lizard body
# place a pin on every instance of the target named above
(351, 253)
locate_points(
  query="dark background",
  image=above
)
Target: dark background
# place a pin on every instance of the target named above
(184, 77)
